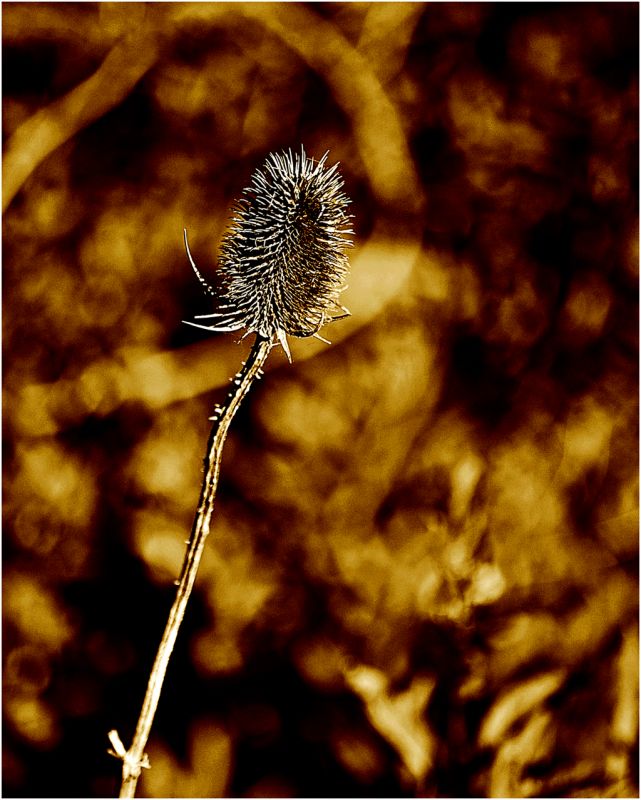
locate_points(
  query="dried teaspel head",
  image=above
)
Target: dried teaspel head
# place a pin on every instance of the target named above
(282, 262)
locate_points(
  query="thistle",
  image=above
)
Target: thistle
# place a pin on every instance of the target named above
(282, 263)
(282, 269)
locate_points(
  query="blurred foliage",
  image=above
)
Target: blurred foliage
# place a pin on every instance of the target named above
(422, 578)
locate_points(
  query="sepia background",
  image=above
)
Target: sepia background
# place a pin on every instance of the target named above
(422, 575)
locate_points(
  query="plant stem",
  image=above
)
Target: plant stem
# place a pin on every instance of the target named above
(134, 758)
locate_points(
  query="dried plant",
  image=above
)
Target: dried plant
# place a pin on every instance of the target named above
(283, 260)
(453, 609)
(283, 265)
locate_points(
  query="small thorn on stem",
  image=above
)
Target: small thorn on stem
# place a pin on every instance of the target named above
(120, 753)
(118, 747)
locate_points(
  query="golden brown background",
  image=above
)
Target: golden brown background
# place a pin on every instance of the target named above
(422, 579)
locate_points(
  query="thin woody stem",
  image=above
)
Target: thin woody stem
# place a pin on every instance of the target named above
(135, 759)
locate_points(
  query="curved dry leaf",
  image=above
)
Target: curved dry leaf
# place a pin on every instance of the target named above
(532, 744)
(515, 703)
(399, 718)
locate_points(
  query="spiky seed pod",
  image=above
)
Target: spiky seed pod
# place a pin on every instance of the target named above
(282, 262)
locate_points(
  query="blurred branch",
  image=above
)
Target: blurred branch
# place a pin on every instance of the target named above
(157, 379)
(50, 127)
(51, 22)
(386, 35)
(376, 121)
(381, 268)
(358, 91)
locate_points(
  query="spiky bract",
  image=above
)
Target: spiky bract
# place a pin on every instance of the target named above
(282, 262)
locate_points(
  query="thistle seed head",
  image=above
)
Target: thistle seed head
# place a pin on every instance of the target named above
(282, 262)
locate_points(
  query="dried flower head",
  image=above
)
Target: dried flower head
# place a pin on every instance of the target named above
(282, 262)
